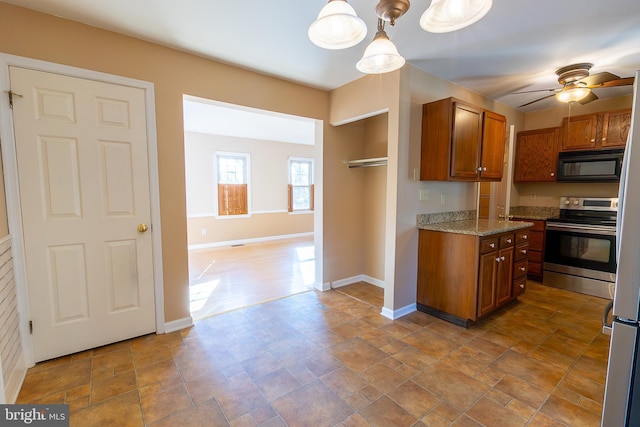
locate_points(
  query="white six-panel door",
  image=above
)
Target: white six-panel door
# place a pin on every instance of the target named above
(81, 149)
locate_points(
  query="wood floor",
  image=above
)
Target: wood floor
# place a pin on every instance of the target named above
(227, 278)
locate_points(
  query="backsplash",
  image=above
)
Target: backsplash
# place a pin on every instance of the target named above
(534, 212)
(438, 217)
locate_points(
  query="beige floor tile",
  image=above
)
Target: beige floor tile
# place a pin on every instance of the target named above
(331, 359)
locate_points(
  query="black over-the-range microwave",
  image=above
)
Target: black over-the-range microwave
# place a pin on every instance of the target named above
(590, 166)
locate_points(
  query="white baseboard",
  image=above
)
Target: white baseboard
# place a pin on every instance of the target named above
(396, 314)
(355, 279)
(176, 325)
(247, 241)
(13, 386)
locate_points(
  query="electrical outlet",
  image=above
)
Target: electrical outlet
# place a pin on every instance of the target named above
(532, 196)
(424, 194)
(443, 199)
(204, 231)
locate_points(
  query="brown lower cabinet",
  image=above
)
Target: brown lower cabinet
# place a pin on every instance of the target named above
(462, 277)
(535, 253)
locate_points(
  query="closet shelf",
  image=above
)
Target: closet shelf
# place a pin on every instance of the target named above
(366, 163)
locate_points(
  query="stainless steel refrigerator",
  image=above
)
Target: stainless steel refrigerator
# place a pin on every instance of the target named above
(622, 393)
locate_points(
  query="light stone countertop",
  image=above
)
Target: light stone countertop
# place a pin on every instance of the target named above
(479, 227)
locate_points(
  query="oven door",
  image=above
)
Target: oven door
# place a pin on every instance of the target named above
(589, 247)
(580, 258)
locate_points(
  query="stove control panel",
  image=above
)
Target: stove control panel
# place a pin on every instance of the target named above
(589, 203)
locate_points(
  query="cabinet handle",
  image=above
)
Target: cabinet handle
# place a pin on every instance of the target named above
(492, 245)
(498, 259)
(508, 240)
(484, 169)
(604, 139)
(553, 174)
(479, 169)
(501, 258)
(523, 269)
(524, 251)
(525, 236)
(593, 140)
(522, 286)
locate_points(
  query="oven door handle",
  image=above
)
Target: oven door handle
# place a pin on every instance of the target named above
(580, 228)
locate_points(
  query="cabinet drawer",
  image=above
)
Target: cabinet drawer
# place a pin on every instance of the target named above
(522, 250)
(519, 286)
(537, 225)
(522, 236)
(534, 268)
(536, 240)
(488, 245)
(520, 268)
(534, 256)
(506, 241)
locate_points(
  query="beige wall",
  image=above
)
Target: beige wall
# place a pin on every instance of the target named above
(548, 194)
(374, 196)
(35, 35)
(402, 95)
(268, 180)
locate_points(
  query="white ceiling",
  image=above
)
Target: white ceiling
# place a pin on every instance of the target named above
(516, 46)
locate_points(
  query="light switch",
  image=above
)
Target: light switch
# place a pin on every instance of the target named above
(424, 194)
(443, 199)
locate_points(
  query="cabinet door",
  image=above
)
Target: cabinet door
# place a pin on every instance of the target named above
(465, 141)
(536, 157)
(579, 132)
(494, 127)
(486, 283)
(615, 128)
(504, 276)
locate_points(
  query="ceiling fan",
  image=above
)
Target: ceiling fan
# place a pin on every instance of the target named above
(577, 84)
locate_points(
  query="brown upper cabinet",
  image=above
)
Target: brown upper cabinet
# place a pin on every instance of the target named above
(536, 155)
(596, 131)
(461, 142)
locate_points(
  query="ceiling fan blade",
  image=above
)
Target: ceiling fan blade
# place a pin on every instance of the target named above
(536, 100)
(537, 90)
(587, 99)
(625, 81)
(598, 78)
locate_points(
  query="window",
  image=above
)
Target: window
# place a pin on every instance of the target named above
(232, 184)
(300, 184)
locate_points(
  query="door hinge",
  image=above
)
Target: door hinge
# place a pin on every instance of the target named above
(31, 327)
(11, 95)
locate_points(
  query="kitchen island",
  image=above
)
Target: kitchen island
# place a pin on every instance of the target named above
(470, 267)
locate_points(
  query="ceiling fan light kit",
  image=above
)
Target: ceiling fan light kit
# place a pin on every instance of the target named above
(450, 15)
(573, 94)
(332, 28)
(337, 26)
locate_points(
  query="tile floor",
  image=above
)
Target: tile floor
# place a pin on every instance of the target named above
(326, 359)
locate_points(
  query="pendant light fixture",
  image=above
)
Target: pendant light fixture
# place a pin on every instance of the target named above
(381, 56)
(450, 15)
(337, 26)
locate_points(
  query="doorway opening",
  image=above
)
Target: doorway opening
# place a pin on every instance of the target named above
(253, 205)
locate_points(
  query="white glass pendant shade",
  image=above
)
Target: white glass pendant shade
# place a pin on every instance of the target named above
(381, 56)
(337, 26)
(450, 15)
(573, 94)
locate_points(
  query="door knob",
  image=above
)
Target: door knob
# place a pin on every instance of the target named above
(142, 227)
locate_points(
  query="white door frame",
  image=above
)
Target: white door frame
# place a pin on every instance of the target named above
(9, 161)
